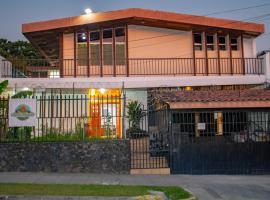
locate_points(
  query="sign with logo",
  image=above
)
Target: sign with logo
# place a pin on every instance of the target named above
(201, 126)
(22, 112)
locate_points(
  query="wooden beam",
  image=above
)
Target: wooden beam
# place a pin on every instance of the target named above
(75, 54)
(88, 52)
(193, 54)
(218, 52)
(127, 56)
(242, 54)
(61, 54)
(101, 51)
(206, 54)
(230, 52)
(114, 53)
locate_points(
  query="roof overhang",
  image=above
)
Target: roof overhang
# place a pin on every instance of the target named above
(219, 105)
(44, 35)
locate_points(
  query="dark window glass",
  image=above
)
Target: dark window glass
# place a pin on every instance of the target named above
(81, 37)
(197, 38)
(234, 44)
(107, 34)
(120, 46)
(95, 48)
(210, 42)
(222, 43)
(198, 41)
(94, 36)
(107, 47)
(119, 32)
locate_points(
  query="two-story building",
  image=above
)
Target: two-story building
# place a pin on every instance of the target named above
(185, 62)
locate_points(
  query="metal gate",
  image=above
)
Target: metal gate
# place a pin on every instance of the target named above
(150, 148)
(220, 142)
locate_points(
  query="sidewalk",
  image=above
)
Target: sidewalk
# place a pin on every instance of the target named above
(207, 187)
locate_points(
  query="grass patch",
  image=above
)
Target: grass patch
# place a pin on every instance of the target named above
(173, 192)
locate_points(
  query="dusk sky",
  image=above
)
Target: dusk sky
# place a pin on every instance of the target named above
(13, 13)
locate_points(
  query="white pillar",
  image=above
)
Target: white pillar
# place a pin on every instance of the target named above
(267, 66)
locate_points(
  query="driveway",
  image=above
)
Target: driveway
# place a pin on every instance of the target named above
(206, 187)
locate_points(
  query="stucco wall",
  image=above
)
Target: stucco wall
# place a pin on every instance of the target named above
(150, 42)
(108, 156)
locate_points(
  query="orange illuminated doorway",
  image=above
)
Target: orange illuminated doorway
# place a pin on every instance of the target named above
(105, 113)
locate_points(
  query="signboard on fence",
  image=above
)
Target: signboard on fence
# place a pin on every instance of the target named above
(22, 112)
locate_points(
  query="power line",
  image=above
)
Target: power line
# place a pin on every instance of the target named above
(214, 13)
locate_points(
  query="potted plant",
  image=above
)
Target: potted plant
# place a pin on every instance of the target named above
(134, 114)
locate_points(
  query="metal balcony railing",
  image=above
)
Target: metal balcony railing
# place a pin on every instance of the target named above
(131, 67)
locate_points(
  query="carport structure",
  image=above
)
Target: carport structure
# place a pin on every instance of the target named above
(215, 132)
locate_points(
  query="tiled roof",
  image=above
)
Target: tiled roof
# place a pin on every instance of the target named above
(214, 96)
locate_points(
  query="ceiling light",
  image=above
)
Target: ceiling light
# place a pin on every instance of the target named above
(88, 11)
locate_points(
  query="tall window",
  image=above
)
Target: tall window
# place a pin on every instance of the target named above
(81, 48)
(120, 46)
(107, 47)
(95, 47)
(222, 43)
(210, 42)
(234, 44)
(198, 41)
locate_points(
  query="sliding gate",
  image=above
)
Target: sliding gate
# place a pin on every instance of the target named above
(220, 142)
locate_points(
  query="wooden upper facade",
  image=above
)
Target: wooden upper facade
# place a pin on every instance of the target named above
(116, 42)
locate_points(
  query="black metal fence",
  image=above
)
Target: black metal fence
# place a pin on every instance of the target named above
(68, 118)
(220, 142)
(131, 67)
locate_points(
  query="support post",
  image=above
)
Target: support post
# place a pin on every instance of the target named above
(61, 54)
(127, 57)
(88, 52)
(230, 53)
(75, 54)
(243, 55)
(193, 54)
(206, 54)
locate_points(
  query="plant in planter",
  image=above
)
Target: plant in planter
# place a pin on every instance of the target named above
(134, 114)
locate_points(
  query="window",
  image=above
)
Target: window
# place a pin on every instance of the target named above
(234, 44)
(222, 43)
(120, 46)
(82, 49)
(107, 47)
(210, 42)
(198, 41)
(54, 74)
(95, 47)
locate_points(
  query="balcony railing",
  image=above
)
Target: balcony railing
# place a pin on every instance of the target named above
(132, 67)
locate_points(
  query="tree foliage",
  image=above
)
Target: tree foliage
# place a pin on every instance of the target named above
(18, 50)
(3, 86)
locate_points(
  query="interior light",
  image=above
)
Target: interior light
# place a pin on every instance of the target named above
(88, 11)
(25, 89)
(102, 90)
(93, 92)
